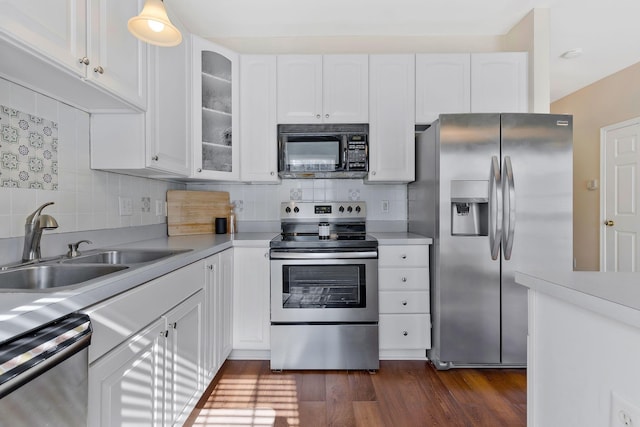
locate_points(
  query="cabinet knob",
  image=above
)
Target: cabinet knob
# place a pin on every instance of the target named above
(317, 116)
(326, 116)
(404, 279)
(199, 170)
(404, 303)
(84, 60)
(373, 172)
(272, 173)
(405, 333)
(403, 256)
(154, 158)
(210, 267)
(266, 254)
(98, 70)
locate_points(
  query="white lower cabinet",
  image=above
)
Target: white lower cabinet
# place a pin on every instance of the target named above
(251, 315)
(219, 302)
(405, 323)
(147, 352)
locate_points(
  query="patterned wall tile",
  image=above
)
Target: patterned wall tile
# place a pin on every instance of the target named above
(28, 150)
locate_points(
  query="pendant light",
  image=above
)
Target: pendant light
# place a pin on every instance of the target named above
(153, 25)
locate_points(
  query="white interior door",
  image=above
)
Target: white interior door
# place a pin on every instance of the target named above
(620, 164)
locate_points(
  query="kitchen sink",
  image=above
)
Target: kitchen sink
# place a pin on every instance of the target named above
(49, 276)
(123, 256)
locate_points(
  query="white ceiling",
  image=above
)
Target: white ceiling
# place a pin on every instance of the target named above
(607, 32)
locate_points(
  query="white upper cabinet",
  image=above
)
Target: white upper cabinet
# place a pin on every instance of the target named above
(55, 28)
(155, 143)
(215, 111)
(118, 61)
(258, 126)
(79, 52)
(499, 82)
(443, 85)
(392, 125)
(323, 89)
(345, 88)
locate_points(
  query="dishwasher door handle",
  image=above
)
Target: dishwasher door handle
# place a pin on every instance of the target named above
(28, 356)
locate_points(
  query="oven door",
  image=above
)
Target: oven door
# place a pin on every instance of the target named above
(324, 287)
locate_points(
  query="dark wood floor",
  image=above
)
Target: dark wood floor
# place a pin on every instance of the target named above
(400, 394)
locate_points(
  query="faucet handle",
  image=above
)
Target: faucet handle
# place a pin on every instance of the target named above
(31, 219)
(73, 248)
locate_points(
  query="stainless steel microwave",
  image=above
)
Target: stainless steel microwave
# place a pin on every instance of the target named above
(323, 151)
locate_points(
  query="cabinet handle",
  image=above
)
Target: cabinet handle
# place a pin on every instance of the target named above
(84, 60)
(405, 333)
(164, 334)
(210, 267)
(404, 303)
(317, 116)
(174, 325)
(404, 279)
(98, 70)
(154, 158)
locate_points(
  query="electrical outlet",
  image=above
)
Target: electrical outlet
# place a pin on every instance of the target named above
(354, 195)
(623, 412)
(159, 207)
(385, 206)
(126, 206)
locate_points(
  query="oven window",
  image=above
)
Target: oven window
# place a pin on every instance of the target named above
(323, 286)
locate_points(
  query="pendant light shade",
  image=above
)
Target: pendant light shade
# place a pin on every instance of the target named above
(153, 25)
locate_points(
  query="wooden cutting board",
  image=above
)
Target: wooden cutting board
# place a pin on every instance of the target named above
(194, 212)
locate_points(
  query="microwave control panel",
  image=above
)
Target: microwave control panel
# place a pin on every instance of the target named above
(357, 152)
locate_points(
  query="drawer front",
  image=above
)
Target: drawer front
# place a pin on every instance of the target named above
(404, 302)
(405, 331)
(403, 256)
(401, 279)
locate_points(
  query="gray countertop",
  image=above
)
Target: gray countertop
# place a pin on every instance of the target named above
(26, 310)
(615, 295)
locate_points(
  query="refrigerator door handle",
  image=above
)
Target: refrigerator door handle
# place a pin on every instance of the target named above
(508, 208)
(495, 208)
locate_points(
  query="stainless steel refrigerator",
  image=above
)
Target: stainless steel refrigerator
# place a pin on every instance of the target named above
(495, 193)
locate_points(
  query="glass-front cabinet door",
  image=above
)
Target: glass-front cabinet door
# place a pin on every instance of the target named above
(215, 111)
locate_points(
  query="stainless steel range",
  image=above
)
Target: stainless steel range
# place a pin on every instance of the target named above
(324, 288)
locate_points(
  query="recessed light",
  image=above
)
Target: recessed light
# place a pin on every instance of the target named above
(572, 53)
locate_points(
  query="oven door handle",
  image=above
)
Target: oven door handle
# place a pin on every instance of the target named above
(324, 255)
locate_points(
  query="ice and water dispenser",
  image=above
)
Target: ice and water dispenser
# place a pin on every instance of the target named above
(469, 208)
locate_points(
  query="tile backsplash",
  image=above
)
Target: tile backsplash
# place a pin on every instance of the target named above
(385, 202)
(28, 150)
(85, 199)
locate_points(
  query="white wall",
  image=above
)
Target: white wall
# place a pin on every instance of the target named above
(85, 199)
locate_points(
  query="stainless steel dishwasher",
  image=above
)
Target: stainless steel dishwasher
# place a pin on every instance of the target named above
(43, 375)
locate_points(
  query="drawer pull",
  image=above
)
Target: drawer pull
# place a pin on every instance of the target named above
(404, 279)
(405, 333)
(404, 303)
(403, 256)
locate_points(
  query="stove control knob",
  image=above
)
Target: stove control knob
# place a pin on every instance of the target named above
(287, 209)
(349, 209)
(358, 209)
(296, 209)
(341, 209)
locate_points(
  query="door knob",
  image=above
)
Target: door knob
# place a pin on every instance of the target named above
(609, 223)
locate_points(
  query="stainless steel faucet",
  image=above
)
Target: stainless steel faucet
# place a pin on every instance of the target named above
(35, 224)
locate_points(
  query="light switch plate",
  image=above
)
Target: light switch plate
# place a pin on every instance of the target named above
(126, 206)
